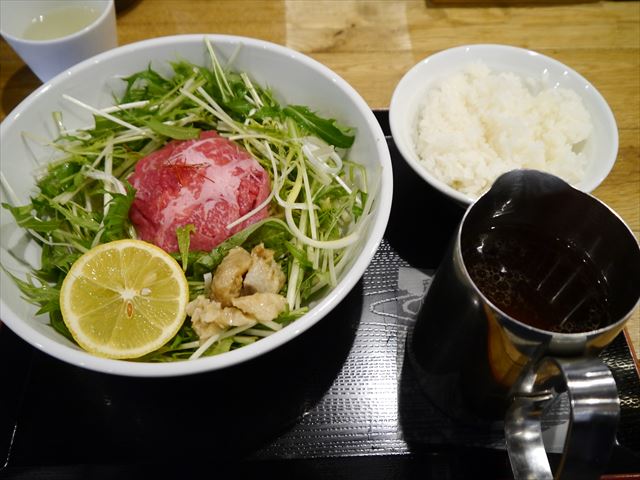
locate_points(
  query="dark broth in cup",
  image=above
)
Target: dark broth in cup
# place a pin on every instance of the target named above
(539, 280)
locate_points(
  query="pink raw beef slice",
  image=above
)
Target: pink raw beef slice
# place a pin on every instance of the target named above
(208, 182)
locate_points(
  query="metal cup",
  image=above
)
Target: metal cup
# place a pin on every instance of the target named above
(481, 365)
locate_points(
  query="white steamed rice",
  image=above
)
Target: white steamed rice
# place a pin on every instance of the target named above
(478, 124)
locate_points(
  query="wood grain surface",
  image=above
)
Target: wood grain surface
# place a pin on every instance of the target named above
(373, 43)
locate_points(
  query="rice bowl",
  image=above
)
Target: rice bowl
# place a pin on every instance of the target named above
(595, 152)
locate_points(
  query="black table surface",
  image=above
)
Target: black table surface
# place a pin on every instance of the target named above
(337, 402)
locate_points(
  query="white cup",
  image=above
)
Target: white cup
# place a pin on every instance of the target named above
(52, 35)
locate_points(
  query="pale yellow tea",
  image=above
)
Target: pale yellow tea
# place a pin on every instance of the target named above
(60, 22)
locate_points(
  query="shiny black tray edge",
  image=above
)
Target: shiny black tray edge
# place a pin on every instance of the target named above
(434, 463)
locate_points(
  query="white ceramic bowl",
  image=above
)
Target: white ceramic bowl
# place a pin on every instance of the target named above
(600, 149)
(295, 78)
(49, 57)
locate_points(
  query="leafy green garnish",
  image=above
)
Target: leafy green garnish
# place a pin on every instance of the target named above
(173, 131)
(144, 85)
(220, 346)
(184, 239)
(24, 218)
(116, 222)
(326, 129)
(59, 326)
(39, 293)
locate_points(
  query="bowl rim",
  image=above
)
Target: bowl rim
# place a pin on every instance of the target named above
(394, 116)
(368, 246)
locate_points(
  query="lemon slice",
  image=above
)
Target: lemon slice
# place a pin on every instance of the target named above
(124, 299)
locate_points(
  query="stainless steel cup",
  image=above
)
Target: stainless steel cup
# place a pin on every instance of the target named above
(481, 365)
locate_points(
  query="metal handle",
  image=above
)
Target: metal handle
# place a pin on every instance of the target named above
(595, 411)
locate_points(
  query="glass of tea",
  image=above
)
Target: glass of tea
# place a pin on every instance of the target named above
(539, 278)
(53, 35)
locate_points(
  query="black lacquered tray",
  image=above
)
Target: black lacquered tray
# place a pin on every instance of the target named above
(340, 401)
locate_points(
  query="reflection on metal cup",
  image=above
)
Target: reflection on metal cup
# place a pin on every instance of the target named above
(594, 414)
(572, 273)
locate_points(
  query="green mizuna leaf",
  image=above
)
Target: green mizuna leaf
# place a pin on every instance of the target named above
(116, 222)
(25, 219)
(184, 239)
(324, 128)
(173, 131)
